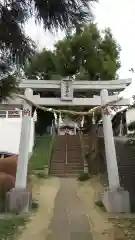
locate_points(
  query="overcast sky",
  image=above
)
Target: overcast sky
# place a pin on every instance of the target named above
(119, 15)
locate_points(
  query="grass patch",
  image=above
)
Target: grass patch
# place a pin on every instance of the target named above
(84, 177)
(40, 156)
(10, 226)
(100, 204)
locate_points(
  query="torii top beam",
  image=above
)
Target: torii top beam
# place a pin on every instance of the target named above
(111, 85)
(67, 89)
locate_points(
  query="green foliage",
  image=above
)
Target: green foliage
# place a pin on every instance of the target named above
(88, 53)
(131, 139)
(63, 14)
(15, 47)
(10, 225)
(8, 85)
(40, 155)
(43, 65)
(131, 126)
(35, 204)
(40, 174)
(99, 204)
(13, 42)
(8, 79)
(84, 177)
(84, 54)
(54, 14)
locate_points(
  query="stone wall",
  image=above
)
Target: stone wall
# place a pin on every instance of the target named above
(126, 164)
(94, 158)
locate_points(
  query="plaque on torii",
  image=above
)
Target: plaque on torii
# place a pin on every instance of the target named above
(67, 89)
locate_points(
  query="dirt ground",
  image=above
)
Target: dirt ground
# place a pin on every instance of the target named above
(103, 225)
(45, 192)
(88, 193)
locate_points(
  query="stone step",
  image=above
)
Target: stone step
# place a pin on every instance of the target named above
(77, 153)
(67, 164)
(58, 166)
(74, 171)
(73, 163)
(59, 161)
(75, 159)
(63, 155)
(66, 175)
(67, 148)
(65, 169)
(55, 167)
(72, 151)
(70, 159)
(59, 157)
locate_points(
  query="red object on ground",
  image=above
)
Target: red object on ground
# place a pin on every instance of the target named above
(8, 165)
(7, 182)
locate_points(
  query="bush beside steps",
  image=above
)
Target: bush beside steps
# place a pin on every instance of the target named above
(84, 177)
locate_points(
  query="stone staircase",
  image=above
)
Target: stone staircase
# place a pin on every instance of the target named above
(67, 156)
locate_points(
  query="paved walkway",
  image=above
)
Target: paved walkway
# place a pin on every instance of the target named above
(69, 221)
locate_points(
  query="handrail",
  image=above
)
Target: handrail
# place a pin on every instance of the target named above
(83, 152)
(50, 152)
(66, 150)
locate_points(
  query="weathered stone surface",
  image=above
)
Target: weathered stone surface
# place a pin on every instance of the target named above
(69, 221)
(116, 201)
(18, 200)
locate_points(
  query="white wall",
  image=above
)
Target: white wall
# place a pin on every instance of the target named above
(130, 115)
(10, 130)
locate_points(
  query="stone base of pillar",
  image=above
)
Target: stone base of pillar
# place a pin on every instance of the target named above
(116, 201)
(46, 169)
(18, 201)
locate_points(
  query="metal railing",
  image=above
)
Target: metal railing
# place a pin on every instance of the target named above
(83, 152)
(10, 113)
(51, 148)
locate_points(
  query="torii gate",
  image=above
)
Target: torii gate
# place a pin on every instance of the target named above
(67, 88)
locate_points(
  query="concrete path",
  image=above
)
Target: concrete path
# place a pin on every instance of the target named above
(69, 221)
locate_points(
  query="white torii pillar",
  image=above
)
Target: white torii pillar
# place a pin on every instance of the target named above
(22, 165)
(111, 159)
(19, 198)
(115, 199)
